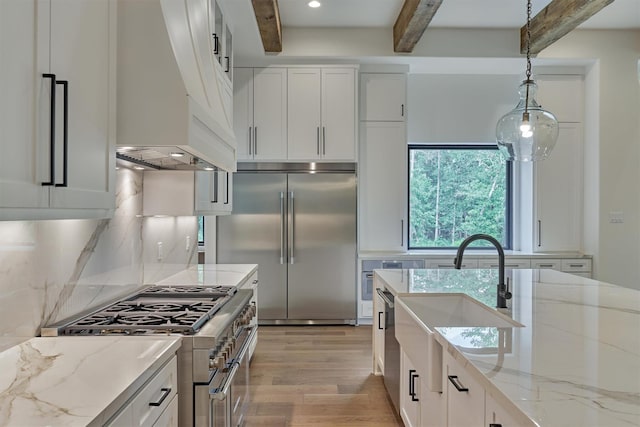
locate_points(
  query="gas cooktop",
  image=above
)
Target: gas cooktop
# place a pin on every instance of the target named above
(153, 310)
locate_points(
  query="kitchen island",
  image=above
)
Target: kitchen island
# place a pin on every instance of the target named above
(71, 381)
(574, 362)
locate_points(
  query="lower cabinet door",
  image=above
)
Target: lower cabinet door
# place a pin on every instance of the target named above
(169, 417)
(496, 415)
(410, 392)
(465, 397)
(433, 406)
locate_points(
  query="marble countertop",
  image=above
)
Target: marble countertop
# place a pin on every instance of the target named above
(212, 274)
(576, 361)
(71, 381)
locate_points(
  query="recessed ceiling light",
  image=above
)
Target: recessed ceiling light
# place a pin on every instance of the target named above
(208, 168)
(314, 3)
(177, 154)
(138, 168)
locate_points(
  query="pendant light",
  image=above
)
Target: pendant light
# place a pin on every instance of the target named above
(528, 132)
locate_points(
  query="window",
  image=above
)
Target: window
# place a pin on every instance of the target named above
(456, 191)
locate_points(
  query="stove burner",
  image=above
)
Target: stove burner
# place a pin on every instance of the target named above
(184, 290)
(161, 306)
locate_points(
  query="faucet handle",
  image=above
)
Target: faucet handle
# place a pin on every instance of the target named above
(507, 294)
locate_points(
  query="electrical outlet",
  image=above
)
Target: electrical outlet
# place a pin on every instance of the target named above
(616, 217)
(187, 243)
(160, 251)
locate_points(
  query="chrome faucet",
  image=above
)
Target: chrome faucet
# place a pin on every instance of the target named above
(503, 288)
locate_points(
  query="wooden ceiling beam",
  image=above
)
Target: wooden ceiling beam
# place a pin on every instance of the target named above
(412, 21)
(268, 19)
(556, 20)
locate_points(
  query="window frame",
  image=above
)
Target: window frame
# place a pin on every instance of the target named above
(508, 244)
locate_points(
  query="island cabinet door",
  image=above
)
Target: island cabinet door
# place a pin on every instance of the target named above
(465, 396)
(498, 416)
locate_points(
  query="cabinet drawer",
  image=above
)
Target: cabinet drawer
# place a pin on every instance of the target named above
(169, 418)
(151, 400)
(554, 264)
(583, 265)
(509, 263)
(448, 263)
(465, 402)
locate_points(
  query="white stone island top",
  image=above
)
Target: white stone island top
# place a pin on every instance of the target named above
(76, 381)
(576, 361)
(212, 274)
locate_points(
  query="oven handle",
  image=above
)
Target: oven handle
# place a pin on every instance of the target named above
(221, 392)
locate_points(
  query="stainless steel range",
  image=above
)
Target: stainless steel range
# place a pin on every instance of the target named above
(218, 328)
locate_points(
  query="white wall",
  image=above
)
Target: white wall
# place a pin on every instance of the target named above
(458, 108)
(613, 148)
(50, 270)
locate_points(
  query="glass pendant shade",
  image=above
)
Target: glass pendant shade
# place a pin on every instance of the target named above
(527, 134)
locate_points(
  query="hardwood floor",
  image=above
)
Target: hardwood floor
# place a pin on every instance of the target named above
(316, 376)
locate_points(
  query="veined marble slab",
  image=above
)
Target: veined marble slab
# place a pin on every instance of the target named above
(76, 381)
(212, 274)
(576, 361)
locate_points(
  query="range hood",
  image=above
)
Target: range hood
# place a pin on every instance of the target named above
(171, 114)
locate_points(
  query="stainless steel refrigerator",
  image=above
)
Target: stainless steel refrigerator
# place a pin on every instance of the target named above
(298, 223)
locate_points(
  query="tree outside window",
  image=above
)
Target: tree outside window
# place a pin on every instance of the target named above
(456, 191)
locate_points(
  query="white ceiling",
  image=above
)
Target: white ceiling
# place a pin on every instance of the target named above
(622, 14)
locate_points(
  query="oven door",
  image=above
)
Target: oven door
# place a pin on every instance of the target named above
(223, 402)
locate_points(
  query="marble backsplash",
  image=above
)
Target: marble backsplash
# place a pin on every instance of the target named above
(50, 270)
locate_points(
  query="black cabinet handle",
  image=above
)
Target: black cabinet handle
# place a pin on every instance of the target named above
(412, 385)
(226, 195)
(402, 110)
(228, 63)
(52, 139)
(165, 393)
(380, 321)
(495, 425)
(457, 384)
(216, 44)
(215, 187)
(65, 132)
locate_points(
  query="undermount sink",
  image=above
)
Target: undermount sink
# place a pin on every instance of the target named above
(416, 316)
(455, 310)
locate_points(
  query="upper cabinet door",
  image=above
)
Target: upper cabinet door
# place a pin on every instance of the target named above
(383, 97)
(243, 112)
(204, 45)
(338, 133)
(24, 162)
(305, 127)
(83, 48)
(269, 114)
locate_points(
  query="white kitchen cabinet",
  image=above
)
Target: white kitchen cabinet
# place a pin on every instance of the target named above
(497, 416)
(214, 192)
(383, 192)
(383, 97)
(508, 263)
(187, 193)
(260, 113)
(64, 166)
(410, 392)
(321, 114)
(378, 331)
(558, 194)
(465, 396)
(149, 405)
(447, 262)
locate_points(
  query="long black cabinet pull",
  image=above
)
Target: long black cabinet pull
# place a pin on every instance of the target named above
(380, 321)
(52, 140)
(226, 195)
(216, 44)
(227, 69)
(215, 187)
(65, 132)
(495, 425)
(165, 393)
(412, 385)
(456, 383)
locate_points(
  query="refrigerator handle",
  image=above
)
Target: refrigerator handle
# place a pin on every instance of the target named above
(282, 227)
(292, 228)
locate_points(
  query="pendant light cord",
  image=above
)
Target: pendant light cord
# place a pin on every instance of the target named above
(526, 105)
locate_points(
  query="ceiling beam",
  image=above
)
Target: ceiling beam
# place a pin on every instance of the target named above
(556, 20)
(268, 19)
(413, 19)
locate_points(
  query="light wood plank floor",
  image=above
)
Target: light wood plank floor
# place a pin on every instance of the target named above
(317, 376)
